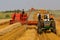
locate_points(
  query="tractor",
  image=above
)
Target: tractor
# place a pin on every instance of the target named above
(46, 25)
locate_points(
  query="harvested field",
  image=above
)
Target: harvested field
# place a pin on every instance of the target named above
(17, 31)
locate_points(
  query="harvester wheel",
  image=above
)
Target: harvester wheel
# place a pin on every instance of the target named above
(52, 25)
(11, 21)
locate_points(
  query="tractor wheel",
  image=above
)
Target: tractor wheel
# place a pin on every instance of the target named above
(53, 30)
(40, 26)
(53, 26)
(39, 31)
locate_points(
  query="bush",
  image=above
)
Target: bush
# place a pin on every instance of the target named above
(7, 16)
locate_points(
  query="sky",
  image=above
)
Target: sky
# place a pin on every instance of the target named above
(27, 4)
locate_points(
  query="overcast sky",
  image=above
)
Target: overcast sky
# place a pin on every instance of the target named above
(26, 4)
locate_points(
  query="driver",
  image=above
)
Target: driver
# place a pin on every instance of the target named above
(46, 17)
(39, 16)
(23, 12)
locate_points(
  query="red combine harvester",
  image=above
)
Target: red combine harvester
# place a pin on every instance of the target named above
(22, 19)
(18, 18)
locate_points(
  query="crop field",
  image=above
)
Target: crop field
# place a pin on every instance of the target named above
(16, 31)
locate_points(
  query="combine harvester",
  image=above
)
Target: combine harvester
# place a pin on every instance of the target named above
(19, 17)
